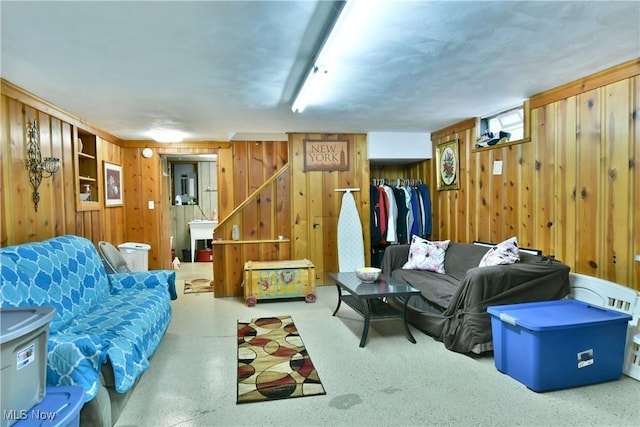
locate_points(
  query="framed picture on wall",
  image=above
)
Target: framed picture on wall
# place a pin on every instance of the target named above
(112, 184)
(448, 163)
(326, 155)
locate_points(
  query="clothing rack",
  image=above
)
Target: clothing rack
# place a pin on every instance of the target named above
(397, 182)
(400, 208)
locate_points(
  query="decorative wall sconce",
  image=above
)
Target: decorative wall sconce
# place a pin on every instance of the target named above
(38, 166)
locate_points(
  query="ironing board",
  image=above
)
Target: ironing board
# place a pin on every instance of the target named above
(350, 241)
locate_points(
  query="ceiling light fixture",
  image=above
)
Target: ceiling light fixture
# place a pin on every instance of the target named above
(166, 135)
(324, 59)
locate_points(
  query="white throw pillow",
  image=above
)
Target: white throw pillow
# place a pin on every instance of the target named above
(506, 252)
(426, 255)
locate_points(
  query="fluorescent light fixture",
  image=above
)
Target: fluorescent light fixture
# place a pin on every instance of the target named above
(166, 135)
(312, 86)
(323, 60)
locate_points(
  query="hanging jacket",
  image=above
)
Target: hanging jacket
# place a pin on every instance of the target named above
(401, 222)
(376, 233)
(392, 218)
(426, 203)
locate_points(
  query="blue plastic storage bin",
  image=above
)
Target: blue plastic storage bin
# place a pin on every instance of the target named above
(60, 408)
(558, 344)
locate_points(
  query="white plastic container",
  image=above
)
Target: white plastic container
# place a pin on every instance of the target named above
(23, 344)
(613, 296)
(632, 359)
(136, 255)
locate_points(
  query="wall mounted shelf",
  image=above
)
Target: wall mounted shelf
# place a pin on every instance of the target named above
(498, 146)
(87, 170)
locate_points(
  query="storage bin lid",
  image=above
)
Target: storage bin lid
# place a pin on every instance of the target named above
(134, 246)
(18, 321)
(557, 314)
(62, 403)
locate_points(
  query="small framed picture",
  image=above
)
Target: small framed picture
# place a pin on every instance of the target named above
(447, 162)
(112, 184)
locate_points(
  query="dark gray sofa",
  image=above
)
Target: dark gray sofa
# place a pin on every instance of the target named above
(453, 306)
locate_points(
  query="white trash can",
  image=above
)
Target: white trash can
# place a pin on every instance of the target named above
(136, 255)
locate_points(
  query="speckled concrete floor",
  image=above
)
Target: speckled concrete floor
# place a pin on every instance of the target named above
(390, 382)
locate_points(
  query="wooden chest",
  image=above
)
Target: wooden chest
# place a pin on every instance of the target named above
(279, 279)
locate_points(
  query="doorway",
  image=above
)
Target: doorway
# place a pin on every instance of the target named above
(192, 183)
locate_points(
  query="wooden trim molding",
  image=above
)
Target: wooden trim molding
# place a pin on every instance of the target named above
(14, 92)
(602, 78)
(248, 242)
(455, 128)
(497, 146)
(167, 148)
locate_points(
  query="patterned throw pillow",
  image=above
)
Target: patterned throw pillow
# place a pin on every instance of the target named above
(506, 252)
(426, 255)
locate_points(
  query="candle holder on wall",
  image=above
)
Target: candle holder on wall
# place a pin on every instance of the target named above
(38, 166)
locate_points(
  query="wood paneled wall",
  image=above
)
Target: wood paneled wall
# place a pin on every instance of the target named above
(307, 213)
(573, 191)
(207, 189)
(144, 181)
(418, 170)
(243, 167)
(56, 214)
(315, 205)
(253, 193)
(263, 216)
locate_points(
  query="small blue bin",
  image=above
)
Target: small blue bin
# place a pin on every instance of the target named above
(558, 344)
(60, 408)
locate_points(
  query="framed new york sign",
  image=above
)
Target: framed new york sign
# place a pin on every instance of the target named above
(324, 155)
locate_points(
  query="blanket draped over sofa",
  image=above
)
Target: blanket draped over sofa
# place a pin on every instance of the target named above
(453, 306)
(101, 320)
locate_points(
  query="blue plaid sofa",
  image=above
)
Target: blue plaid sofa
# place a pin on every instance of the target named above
(106, 327)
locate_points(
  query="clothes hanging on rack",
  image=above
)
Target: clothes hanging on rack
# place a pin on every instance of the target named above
(376, 206)
(421, 209)
(397, 213)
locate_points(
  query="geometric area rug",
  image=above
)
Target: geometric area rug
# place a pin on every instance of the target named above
(195, 286)
(273, 362)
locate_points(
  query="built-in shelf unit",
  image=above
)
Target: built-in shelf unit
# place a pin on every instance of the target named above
(87, 170)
